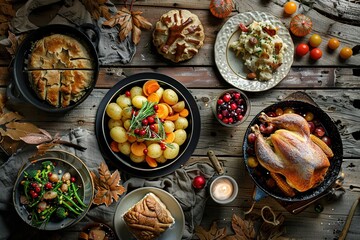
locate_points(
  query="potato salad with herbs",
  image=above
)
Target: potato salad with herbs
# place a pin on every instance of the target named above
(261, 48)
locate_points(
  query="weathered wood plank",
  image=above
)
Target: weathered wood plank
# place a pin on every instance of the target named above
(208, 77)
(340, 105)
(147, 55)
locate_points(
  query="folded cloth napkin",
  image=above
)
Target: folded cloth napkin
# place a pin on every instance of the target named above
(74, 13)
(177, 183)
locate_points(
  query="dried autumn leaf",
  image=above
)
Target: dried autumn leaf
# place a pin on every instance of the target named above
(36, 138)
(107, 185)
(13, 43)
(16, 130)
(244, 229)
(9, 117)
(129, 21)
(2, 102)
(213, 234)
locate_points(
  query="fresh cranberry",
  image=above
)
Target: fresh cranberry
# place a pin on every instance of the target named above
(137, 131)
(231, 120)
(48, 185)
(127, 93)
(145, 122)
(233, 106)
(142, 132)
(220, 116)
(49, 174)
(151, 119)
(226, 97)
(220, 101)
(237, 95)
(37, 189)
(225, 120)
(34, 184)
(34, 195)
(156, 107)
(146, 151)
(162, 146)
(152, 127)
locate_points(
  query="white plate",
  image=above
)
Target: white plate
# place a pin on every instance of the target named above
(232, 68)
(173, 233)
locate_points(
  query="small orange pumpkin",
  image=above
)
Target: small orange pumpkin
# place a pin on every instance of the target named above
(221, 8)
(300, 25)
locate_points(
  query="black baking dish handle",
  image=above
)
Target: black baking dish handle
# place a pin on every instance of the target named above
(88, 27)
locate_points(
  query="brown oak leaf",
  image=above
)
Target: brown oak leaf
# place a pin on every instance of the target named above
(129, 21)
(107, 185)
(2, 102)
(213, 234)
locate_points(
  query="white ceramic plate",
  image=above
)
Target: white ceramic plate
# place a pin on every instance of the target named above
(232, 68)
(173, 233)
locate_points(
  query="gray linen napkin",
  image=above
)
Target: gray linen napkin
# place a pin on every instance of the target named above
(74, 13)
(177, 183)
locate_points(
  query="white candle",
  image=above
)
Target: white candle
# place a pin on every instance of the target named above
(222, 189)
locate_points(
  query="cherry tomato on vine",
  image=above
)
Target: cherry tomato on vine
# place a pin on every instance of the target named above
(346, 52)
(290, 8)
(315, 54)
(333, 43)
(315, 40)
(302, 49)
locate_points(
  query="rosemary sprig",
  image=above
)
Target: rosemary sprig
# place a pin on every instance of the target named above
(146, 110)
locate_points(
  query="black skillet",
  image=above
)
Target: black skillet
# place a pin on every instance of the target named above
(302, 103)
(20, 73)
(122, 161)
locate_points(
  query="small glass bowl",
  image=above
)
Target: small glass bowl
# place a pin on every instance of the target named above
(228, 109)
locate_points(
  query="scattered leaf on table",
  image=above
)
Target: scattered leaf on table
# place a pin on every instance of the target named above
(244, 229)
(14, 42)
(2, 103)
(9, 117)
(6, 8)
(107, 185)
(35, 138)
(16, 130)
(129, 21)
(213, 234)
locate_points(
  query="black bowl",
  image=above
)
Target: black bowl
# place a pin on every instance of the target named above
(335, 162)
(122, 161)
(20, 73)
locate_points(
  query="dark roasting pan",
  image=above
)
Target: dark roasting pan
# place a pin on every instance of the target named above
(21, 82)
(303, 102)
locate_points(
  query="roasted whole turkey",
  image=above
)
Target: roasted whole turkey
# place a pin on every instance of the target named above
(292, 155)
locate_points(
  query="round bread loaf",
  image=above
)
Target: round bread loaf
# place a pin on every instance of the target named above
(178, 35)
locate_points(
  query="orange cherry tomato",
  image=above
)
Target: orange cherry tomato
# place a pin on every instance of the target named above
(315, 40)
(333, 43)
(346, 52)
(315, 54)
(290, 8)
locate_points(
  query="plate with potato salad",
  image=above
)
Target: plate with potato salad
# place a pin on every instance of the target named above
(148, 124)
(254, 51)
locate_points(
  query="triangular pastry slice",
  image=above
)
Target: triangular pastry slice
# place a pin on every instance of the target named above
(148, 218)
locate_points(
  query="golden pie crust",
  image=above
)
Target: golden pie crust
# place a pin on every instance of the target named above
(148, 218)
(178, 35)
(60, 70)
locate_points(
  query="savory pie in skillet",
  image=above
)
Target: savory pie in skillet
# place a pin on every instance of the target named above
(60, 69)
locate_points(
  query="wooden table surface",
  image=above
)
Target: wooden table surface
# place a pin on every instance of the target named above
(333, 84)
